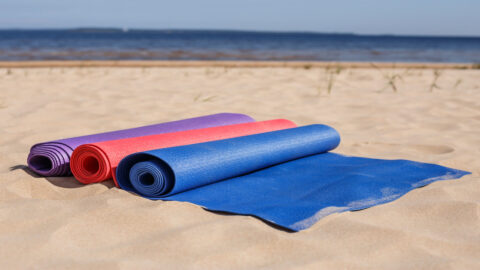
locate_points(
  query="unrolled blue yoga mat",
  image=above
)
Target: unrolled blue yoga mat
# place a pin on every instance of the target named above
(285, 177)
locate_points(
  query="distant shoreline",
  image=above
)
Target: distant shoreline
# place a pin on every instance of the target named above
(237, 64)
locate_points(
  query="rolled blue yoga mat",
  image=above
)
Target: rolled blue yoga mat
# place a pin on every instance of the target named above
(285, 177)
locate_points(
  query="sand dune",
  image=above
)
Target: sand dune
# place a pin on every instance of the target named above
(428, 115)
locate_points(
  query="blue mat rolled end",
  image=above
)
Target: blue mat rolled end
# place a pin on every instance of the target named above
(151, 178)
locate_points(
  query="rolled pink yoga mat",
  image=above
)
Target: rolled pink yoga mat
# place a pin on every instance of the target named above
(96, 162)
(53, 158)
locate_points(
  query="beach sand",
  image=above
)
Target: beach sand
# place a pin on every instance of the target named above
(422, 114)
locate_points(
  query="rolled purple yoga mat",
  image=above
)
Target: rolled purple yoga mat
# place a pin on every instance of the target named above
(53, 158)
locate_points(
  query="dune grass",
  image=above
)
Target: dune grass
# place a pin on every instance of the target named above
(436, 74)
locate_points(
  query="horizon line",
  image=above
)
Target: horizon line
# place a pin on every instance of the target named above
(128, 29)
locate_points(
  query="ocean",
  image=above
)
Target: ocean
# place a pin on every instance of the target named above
(118, 44)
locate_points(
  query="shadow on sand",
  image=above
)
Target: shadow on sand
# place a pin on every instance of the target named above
(273, 225)
(59, 181)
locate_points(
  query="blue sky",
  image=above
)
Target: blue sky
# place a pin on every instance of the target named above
(417, 17)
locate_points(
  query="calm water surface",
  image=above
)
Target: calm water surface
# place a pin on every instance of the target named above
(114, 44)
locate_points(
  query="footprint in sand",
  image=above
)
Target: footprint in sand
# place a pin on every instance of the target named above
(420, 148)
(432, 149)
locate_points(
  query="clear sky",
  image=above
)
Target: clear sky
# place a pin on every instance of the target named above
(417, 17)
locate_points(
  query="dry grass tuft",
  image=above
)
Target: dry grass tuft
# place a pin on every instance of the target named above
(436, 74)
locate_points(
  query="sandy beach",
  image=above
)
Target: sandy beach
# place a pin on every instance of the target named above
(421, 112)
